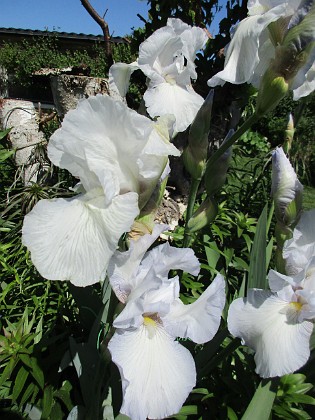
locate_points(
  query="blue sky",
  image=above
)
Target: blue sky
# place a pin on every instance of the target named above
(70, 16)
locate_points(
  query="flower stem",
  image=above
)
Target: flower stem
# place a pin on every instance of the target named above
(242, 129)
(191, 202)
(196, 182)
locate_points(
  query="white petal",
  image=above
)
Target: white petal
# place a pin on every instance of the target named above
(102, 137)
(304, 82)
(242, 55)
(269, 326)
(73, 239)
(193, 38)
(119, 77)
(123, 266)
(151, 297)
(159, 141)
(279, 281)
(157, 372)
(157, 52)
(200, 320)
(169, 98)
(164, 258)
(299, 250)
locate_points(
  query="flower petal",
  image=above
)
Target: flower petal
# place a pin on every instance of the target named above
(200, 320)
(269, 326)
(164, 258)
(157, 372)
(119, 77)
(102, 137)
(157, 52)
(193, 37)
(168, 98)
(73, 239)
(242, 56)
(304, 83)
(123, 266)
(299, 250)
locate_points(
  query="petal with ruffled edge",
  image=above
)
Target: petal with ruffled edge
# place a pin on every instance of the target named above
(123, 266)
(269, 326)
(119, 77)
(73, 239)
(193, 38)
(163, 258)
(242, 55)
(157, 372)
(299, 250)
(168, 98)
(200, 320)
(157, 52)
(104, 137)
(152, 297)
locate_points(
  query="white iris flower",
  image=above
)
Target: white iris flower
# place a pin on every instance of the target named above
(278, 324)
(118, 155)
(157, 372)
(257, 42)
(167, 59)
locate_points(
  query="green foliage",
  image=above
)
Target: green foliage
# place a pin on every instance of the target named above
(22, 59)
(273, 126)
(53, 335)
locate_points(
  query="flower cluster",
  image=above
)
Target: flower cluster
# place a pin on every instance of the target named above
(119, 158)
(282, 318)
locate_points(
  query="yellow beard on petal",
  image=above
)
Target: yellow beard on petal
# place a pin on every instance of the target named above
(151, 322)
(296, 305)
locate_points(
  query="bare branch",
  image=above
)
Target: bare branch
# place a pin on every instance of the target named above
(104, 26)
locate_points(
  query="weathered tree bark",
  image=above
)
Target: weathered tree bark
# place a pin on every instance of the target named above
(105, 29)
(68, 89)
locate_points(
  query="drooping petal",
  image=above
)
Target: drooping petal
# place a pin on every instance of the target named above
(167, 98)
(299, 250)
(73, 239)
(242, 55)
(123, 266)
(270, 327)
(304, 81)
(200, 320)
(157, 372)
(119, 77)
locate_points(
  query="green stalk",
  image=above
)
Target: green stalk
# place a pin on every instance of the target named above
(242, 129)
(196, 182)
(190, 208)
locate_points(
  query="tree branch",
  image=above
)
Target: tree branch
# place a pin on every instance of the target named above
(104, 26)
